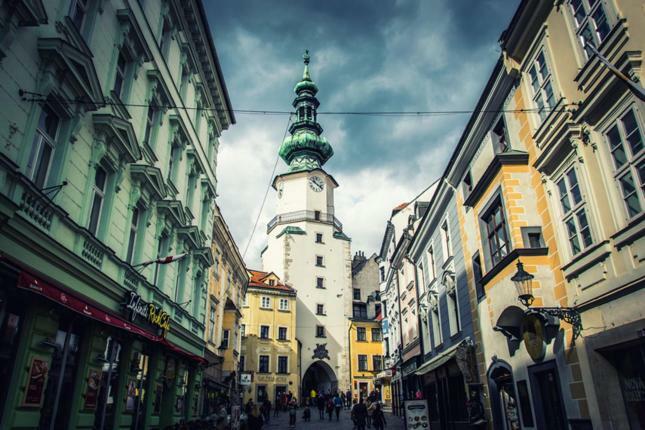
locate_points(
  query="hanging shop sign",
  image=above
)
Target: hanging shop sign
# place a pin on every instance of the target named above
(533, 334)
(38, 372)
(92, 390)
(245, 379)
(150, 312)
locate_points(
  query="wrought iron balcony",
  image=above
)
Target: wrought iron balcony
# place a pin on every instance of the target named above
(298, 216)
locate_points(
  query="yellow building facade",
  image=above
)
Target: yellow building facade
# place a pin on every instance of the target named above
(226, 290)
(269, 362)
(366, 352)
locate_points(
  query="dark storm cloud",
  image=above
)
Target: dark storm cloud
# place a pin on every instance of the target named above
(367, 55)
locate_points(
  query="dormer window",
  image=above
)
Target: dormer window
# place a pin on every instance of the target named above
(271, 282)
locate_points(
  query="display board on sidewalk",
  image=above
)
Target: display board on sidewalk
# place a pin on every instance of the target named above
(416, 414)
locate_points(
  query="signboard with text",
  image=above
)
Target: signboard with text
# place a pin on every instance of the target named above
(245, 379)
(416, 414)
(149, 312)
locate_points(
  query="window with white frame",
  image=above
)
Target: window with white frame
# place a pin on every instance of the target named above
(592, 25)
(436, 323)
(242, 330)
(211, 323)
(625, 138)
(453, 307)
(574, 215)
(121, 76)
(98, 198)
(264, 332)
(78, 13)
(430, 265)
(134, 228)
(445, 241)
(42, 149)
(496, 234)
(265, 302)
(226, 334)
(542, 84)
(284, 304)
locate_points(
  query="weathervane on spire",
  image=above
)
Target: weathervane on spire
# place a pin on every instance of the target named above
(305, 56)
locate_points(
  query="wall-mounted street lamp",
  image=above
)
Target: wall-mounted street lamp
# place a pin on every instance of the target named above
(524, 284)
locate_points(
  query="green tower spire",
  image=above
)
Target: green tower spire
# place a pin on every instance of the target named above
(305, 149)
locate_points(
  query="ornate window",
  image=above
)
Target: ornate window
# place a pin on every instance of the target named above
(542, 84)
(436, 322)
(453, 304)
(43, 146)
(211, 324)
(592, 25)
(98, 199)
(625, 139)
(574, 215)
(496, 234)
(134, 229)
(78, 13)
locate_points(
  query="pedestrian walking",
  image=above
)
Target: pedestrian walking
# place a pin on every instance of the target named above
(359, 414)
(306, 415)
(370, 405)
(338, 404)
(330, 407)
(293, 407)
(348, 399)
(266, 410)
(321, 407)
(255, 419)
(378, 418)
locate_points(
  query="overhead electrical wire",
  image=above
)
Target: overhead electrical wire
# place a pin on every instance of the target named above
(36, 97)
(266, 192)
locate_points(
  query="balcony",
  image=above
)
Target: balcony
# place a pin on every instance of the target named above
(298, 216)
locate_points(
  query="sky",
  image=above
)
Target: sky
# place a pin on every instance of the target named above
(366, 55)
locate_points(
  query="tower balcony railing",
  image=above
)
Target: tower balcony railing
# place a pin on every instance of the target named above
(298, 216)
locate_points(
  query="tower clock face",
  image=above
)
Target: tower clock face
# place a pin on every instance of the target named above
(316, 183)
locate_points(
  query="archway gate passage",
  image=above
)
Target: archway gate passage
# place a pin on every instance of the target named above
(320, 377)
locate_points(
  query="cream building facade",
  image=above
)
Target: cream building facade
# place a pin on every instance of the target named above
(228, 280)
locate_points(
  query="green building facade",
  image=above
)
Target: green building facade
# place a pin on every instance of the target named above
(107, 186)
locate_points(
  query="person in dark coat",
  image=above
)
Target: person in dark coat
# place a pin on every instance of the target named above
(255, 421)
(329, 407)
(321, 407)
(378, 418)
(359, 414)
(348, 399)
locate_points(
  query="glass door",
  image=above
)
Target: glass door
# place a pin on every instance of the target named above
(57, 403)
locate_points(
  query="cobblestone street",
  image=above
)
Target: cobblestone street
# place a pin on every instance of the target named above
(345, 423)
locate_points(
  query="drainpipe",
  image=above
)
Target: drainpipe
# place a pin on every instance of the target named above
(59, 383)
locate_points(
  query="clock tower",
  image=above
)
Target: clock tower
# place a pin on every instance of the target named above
(308, 249)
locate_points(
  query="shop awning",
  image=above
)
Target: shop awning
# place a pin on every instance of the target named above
(439, 360)
(29, 282)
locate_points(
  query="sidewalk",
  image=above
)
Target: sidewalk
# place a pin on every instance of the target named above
(344, 423)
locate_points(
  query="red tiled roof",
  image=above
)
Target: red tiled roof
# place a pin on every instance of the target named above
(258, 280)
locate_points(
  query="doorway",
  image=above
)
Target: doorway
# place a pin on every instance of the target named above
(545, 387)
(503, 396)
(320, 377)
(63, 368)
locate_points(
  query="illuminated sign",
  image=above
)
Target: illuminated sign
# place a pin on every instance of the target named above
(153, 314)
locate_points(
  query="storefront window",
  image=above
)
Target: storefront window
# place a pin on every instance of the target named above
(136, 403)
(11, 317)
(181, 396)
(104, 416)
(62, 373)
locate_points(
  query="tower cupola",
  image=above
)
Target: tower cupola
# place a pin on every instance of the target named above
(305, 148)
